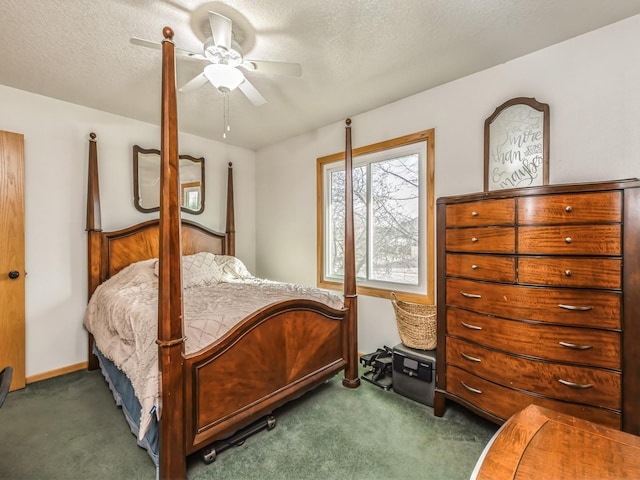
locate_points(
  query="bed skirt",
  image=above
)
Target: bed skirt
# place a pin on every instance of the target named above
(125, 398)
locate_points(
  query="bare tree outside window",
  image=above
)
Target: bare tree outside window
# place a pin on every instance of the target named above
(386, 209)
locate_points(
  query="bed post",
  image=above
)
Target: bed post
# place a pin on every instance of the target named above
(170, 337)
(351, 378)
(231, 222)
(93, 228)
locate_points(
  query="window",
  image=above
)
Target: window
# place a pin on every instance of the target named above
(393, 217)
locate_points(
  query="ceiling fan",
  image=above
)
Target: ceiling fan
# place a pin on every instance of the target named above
(226, 61)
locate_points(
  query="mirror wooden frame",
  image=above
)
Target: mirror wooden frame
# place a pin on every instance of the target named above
(136, 180)
(516, 145)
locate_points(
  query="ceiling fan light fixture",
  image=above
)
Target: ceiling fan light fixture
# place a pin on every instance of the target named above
(224, 77)
(220, 54)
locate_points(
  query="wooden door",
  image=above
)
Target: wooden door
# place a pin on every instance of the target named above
(12, 296)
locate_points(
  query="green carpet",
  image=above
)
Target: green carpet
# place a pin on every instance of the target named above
(69, 428)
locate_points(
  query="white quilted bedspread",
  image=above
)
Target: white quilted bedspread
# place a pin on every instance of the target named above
(218, 292)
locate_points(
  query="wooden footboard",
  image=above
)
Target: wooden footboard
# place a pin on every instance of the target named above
(274, 356)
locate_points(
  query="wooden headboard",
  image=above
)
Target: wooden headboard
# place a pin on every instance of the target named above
(110, 252)
(141, 242)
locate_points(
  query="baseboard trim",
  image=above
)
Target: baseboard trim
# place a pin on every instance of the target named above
(57, 372)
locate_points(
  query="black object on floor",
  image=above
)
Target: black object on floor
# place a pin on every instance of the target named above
(380, 365)
(5, 383)
(210, 453)
(414, 373)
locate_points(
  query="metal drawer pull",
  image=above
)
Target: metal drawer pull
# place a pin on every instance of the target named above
(474, 239)
(474, 267)
(568, 208)
(575, 385)
(573, 307)
(575, 346)
(568, 240)
(471, 389)
(567, 273)
(472, 327)
(474, 214)
(470, 358)
(470, 295)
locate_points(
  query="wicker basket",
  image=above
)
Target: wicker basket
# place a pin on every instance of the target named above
(416, 323)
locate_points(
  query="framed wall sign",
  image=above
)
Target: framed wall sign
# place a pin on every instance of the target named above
(516, 145)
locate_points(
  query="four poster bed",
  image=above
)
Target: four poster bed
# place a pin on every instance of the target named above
(206, 391)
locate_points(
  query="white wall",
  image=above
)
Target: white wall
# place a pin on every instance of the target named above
(56, 151)
(590, 83)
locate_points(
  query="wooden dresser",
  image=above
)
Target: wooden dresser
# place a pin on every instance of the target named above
(539, 302)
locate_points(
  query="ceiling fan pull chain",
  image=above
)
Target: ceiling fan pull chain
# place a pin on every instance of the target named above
(226, 127)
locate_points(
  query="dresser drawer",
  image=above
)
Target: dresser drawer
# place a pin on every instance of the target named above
(589, 308)
(504, 402)
(487, 212)
(484, 267)
(586, 346)
(597, 207)
(571, 272)
(570, 240)
(570, 383)
(483, 239)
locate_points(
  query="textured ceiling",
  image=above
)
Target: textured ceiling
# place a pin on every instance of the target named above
(355, 55)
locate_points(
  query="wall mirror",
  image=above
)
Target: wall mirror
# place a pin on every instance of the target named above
(516, 145)
(146, 181)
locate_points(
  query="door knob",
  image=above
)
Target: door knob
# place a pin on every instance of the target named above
(13, 274)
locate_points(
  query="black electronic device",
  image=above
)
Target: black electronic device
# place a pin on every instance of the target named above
(414, 373)
(380, 367)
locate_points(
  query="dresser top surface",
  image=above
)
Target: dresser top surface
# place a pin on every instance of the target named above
(544, 190)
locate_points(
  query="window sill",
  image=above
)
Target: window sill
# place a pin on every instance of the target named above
(380, 292)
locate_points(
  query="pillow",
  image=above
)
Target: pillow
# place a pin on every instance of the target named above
(199, 269)
(231, 268)
(138, 274)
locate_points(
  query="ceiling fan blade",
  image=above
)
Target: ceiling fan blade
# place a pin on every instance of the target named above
(188, 54)
(220, 30)
(194, 83)
(145, 43)
(279, 68)
(252, 94)
(158, 46)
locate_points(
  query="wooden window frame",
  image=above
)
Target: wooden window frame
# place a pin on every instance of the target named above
(427, 136)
